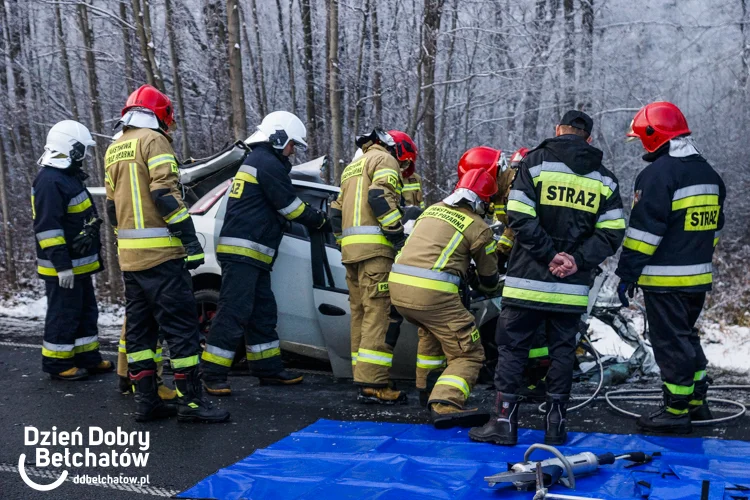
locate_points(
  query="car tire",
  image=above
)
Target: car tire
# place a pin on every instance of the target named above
(207, 302)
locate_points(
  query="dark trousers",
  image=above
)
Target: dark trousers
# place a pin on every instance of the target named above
(71, 336)
(161, 299)
(516, 332)
(677, 347)
(247, 307)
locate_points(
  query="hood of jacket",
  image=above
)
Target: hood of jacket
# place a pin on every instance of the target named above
(575, 152)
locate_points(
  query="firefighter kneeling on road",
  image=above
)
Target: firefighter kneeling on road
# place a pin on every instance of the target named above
(261, 202)
(566, 212)
(424, 286)
(157, 245)
(678, 213)
(67, 248)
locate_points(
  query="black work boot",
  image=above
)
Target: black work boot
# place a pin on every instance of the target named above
(445, 416)
(699, 409)
(534, 393)
(284, 377)
(672, 418)
(381, 396)
(124, 386)
(502, 428)
(149, 405)
(217, 387)
(72, 374)
(192, 406)
(554, 420)
(432, 378)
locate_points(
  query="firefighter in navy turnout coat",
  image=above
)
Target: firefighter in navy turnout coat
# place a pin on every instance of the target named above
(566, 212)
(678, 213)
(261, 202)
(67, 247)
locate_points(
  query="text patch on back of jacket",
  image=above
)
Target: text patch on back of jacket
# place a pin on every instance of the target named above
(571, 196)
(702, 218)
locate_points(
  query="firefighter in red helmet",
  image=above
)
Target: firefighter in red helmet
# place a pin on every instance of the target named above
(424, 286)
(406, 154)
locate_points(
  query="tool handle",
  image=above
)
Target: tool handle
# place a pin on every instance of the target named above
(606, 458)
(638, 457)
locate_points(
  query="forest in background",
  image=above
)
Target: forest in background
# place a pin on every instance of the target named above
(452, 73)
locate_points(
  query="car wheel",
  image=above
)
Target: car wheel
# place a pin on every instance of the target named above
(207, 302)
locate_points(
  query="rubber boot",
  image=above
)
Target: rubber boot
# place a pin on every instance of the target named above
(71, 374)
(699, 409)
(149, 405)
(672, 418)
(103, 366)
(534, 393)
(123, 386)
(166, 394)
(554, 430)
(191, 405)
(284, 377)
(381, 396)
(502, 428)
(445, 416)
(217, 387)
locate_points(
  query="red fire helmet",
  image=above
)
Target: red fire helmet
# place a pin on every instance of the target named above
(481, 157)
(480, 181)
(151, 98)
(658, 123)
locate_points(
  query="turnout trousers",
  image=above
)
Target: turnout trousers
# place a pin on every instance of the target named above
(157, 300)
(71, 335)
(677, 347)
(447, 336)
(247, 307)
(516, 333)
(370, 305)
(122, 356)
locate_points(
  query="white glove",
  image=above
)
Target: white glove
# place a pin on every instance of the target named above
(66, 278)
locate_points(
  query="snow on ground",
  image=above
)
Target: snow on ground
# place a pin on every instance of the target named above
(31, 306)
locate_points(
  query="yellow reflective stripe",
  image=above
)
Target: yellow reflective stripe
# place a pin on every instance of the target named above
(699, 375)
(51, 242)
(161, 242)
(365, 239)
(178, 216)
(517, 206)
(384, 172)
(213, 358)
(144, 355)
(611, 224)
(547, 297)
(135, 195)
(440, 286)
(197, 256)
(86, 347)
(390, 218)
(121, 347)
(454, 381)
(158, 355)
(675, 411)
(375, 357)
(422, 205)
(354, 358)
(680, 390)
(539, 352)
(80, 207)
(430, 362)
(505, 241)
(676, 281)
(639, 246)
(268, 353)
(33, 208)
(696, 201)
(415, 186)
(155, 161)
(246, 252)
(109, 180)
(697, 402)
(184, 362)
(296, 212)
(357, 204)
(57, 354)
(448, 251)
(87, 268)
(547, 177)
(491, 247)
(716, 241)
(244, 176)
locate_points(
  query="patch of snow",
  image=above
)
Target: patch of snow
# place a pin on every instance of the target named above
(31, 306)
(727, 347)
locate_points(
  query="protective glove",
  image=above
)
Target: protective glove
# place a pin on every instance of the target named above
(66, 279)
(84, 241)
(397, 240)
(625, 290)
(325, 224)
(195, 257)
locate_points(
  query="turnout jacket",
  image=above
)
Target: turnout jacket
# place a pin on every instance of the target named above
(260, 203)
(562, 200)
(411, 195)
(144, 202)
(60, 206)
(677, 216)
(367, 207)
(429, 269)
(500, 200)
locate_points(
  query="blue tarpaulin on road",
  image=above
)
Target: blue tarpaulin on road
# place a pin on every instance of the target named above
(332, 460)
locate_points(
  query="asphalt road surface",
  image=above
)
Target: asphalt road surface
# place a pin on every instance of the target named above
(183, 454)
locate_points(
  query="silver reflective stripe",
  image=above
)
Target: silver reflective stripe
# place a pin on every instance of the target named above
(87, 340)
(49, 234)
(695, 190)
(250, 170)
(239, 242)
(79, 198)
(614, 214)
(223, 353)
(154, 232)
(76, 262)
(554, 166)
(263, 347)
(350, 231)
(637, 234)
(543, 286)
(677, 270)
(364, 356)
(426, 273)
(609, 182)
(58, 347)
(717, 233)
(517, 195)
(291, 207)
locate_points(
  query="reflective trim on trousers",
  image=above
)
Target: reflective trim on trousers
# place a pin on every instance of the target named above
(178, 363)
(263, 351)
(454, 381)
(375, 357)
(222, 357)
(430, 362)
(59, 351)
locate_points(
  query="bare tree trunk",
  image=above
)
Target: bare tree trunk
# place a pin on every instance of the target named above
(127, 49)
(10, 262)
(377, 76)
(287, 57)
(253, 66)
(239, 114)
(337, 118)
(569, 58)
(143, 43)
(66, 64)
(307, 63)
(587, 57)
(259, 67)
(358, 79)
(146, 5)
(446, 88)
(745, 55)
(176, 79)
